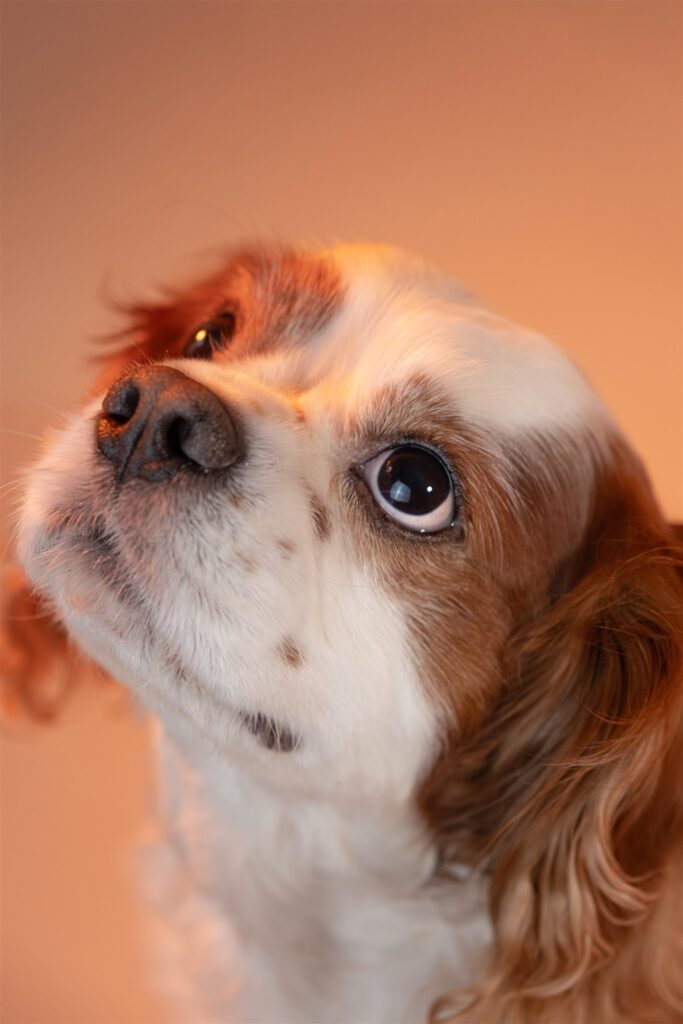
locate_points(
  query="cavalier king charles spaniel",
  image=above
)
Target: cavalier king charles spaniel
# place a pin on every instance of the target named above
(397, 590)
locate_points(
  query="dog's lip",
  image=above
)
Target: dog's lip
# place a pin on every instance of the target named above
(68, 524)
(268, 731)
(71, 526)
(59, 520)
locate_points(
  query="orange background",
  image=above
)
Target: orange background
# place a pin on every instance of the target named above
(533, 149)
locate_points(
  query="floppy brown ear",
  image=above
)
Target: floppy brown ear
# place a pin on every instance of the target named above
(39, 666)
(571, 793)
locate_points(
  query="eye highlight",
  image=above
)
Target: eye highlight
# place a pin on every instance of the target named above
(210, 337)
(413, 486)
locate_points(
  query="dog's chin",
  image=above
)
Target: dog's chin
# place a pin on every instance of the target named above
(71, 559)
(81, 570)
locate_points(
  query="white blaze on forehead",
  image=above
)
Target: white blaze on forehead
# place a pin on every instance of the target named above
(399, 319)
(386, 266)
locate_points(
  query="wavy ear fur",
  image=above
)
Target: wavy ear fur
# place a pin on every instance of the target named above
(39, 666)
(571, 791)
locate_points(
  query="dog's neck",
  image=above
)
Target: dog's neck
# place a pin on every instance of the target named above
(312, 889)
(246, 820)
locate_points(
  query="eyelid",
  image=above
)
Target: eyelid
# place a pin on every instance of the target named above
(228, 317)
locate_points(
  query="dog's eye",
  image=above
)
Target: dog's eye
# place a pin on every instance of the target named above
(210, 337)
(413, 486)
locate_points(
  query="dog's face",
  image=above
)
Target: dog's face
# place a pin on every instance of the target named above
(309, 507)
(340, 525)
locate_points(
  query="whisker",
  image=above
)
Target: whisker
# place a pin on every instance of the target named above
(20, 433)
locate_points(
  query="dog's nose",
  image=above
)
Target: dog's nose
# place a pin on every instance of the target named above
(156, 421)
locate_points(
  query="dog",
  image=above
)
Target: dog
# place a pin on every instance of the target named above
(397, 589)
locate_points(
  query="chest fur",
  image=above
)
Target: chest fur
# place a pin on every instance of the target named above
(290, 910)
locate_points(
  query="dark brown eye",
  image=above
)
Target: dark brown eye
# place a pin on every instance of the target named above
(210, 337)
(413, 486)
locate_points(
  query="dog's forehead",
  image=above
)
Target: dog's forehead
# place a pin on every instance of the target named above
(337, 325)
(398, 320)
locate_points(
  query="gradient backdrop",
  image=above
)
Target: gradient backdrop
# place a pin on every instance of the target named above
(532, 149)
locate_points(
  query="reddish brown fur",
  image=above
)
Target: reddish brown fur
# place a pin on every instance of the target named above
(278, 296)
(465, 589)
(568, 791)
(552, 629)
(551, 634)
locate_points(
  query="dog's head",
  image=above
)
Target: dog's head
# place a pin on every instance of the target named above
(334, 519)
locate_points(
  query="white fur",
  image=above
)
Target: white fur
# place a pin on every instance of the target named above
(341, 921)
(303, 879)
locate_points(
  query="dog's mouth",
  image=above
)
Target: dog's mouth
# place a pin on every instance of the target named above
(72, 526)
(75, 537)
(80, 535)
(270, 733)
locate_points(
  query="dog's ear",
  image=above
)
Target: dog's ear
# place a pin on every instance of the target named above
(161, 328)
(39, 666)
(152, 331)
(571, 793)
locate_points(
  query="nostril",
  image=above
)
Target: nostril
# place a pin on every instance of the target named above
(121, 401)
(175, 434)
(206, 441)
(118, 427)
(157, 421)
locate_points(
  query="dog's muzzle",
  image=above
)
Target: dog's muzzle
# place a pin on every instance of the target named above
(156, 421)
